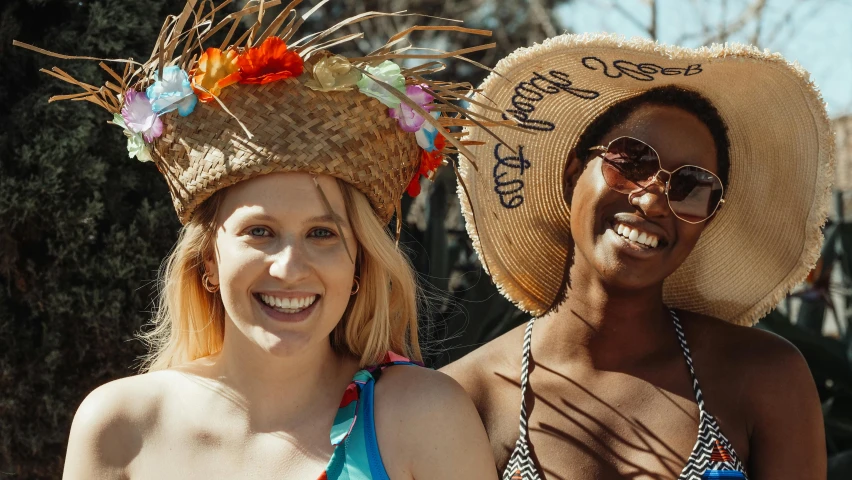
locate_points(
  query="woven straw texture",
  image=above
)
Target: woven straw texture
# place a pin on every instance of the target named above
(290, 124)
(343, 134)
(760, 245)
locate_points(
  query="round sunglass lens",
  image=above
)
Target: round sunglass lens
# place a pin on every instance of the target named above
(629, 164)
(694, 193)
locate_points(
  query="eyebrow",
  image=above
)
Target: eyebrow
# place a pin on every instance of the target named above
(329, 218)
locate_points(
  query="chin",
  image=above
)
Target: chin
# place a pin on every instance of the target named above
(630, 277)
(284, 340)
(287, 344)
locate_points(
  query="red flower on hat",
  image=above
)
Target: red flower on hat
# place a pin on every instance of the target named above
(269, 62)
(429, 162)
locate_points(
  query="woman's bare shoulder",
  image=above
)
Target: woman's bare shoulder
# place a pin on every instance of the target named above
(750, 347)
(432, 425)
(761, 362)
(112, 421)
(766, 378)
(418, 386)
(476, 371)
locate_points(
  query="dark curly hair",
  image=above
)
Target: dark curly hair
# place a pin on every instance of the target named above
(668, 96)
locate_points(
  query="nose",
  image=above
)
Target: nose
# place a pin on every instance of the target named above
(290, 264)
(651, 199)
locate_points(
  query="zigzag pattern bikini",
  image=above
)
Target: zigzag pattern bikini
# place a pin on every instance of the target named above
(712, 456)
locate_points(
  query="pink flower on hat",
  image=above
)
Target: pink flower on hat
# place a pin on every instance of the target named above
(409, 120)
(139, 116)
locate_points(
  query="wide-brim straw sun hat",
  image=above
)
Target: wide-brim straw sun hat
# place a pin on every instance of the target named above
(759, 246)
(224, 100)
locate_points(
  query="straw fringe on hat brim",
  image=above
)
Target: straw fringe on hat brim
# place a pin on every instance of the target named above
(760, 245)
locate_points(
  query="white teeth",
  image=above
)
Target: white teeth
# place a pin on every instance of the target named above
(288, 305)
(634, 235)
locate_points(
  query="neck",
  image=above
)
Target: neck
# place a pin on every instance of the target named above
(606, 326)
(282, 392)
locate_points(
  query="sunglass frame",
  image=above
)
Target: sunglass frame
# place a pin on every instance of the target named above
(655, 178)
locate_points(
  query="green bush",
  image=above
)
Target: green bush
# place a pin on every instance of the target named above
(82, 227)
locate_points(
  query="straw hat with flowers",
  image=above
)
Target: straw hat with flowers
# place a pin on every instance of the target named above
(209, 116)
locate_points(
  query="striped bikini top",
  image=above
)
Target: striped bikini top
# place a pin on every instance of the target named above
(712, 456)
(356, 449)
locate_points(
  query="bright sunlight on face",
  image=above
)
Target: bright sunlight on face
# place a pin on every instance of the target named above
(280, 259)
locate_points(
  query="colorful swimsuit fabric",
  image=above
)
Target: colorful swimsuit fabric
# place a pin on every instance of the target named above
(712, 456)
(356, 450)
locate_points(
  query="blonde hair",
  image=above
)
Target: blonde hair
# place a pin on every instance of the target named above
(189, 322)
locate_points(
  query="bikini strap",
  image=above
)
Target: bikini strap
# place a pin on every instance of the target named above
(699, 397)
(525, 378)
(377, 370)
(521, 466)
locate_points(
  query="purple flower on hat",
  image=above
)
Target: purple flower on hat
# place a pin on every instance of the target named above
(140, 117)
(409, 120)
(173, 92)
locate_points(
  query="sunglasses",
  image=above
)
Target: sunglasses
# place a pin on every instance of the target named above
(693, 193)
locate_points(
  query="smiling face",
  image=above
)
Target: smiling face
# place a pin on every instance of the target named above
(285, 276)
(635, 241)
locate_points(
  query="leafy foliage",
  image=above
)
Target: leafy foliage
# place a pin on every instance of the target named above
(83, 227)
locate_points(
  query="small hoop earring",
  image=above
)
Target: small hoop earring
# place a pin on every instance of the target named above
(205, 280)
(356, 287)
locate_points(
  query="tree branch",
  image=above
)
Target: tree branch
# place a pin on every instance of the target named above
(753, 12)
(629, 16)
(543, 17)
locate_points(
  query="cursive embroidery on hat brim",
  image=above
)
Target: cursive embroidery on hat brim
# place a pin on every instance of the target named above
(529, 92)
(642, 71)
(510, 192)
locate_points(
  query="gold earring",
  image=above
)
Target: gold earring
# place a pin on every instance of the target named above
(356, 287)
(205, 280)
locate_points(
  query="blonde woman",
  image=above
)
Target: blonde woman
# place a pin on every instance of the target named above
(285, 300)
